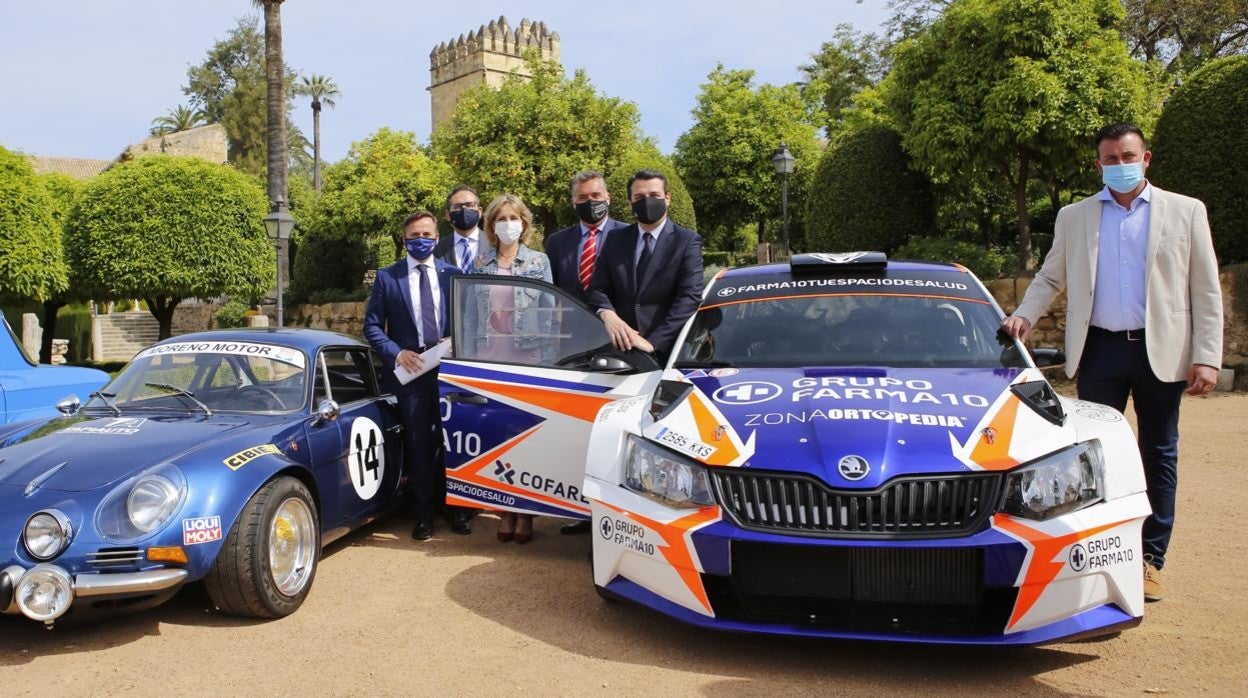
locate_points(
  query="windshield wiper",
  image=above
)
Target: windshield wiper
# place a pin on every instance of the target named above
(179, 392)
(106, 398)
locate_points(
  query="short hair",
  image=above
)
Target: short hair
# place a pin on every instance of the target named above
(491, 214)
(585, 176)
(417, 216)
(462, 187)
(1114, 132)
(646, 174)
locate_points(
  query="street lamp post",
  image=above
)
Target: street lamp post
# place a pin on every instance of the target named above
(279, 224)
(783, 161)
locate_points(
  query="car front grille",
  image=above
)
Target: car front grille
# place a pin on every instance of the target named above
(893, 589)
(926, 506)
(115, 557)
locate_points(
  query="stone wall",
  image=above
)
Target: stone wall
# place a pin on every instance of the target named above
(205, 142)
(347, 318)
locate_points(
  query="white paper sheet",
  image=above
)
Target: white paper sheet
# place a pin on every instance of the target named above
(432, 357)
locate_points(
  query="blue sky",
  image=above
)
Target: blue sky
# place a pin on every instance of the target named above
(84, 78)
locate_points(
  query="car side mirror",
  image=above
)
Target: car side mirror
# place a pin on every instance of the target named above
(327, 411)
(69, 405)
(609, 364)
(1048, 358)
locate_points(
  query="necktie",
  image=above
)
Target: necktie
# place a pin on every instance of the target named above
(428, 316)
(588, 255)
(465, 257)
(644, 260)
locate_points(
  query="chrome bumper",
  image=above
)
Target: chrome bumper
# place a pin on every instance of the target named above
(95, 584)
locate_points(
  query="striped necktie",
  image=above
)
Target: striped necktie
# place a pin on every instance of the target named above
(589, 254)
(465, 257)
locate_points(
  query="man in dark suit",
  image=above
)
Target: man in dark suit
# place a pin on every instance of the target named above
(648, 280)
(573, 254)
(406, 315)
(460, 248)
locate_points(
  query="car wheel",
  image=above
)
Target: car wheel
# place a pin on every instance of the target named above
(268, 561)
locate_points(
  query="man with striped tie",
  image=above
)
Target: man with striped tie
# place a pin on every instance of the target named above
(573, 252)
(463, 210)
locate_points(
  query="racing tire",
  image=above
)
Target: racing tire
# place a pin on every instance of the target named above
(247, 579)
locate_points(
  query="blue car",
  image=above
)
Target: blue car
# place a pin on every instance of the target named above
(31, 391)
(839, 446)
(230, 457)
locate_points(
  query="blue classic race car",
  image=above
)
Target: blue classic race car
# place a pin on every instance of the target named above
(840, 446)
(31, 391)
(230, 457)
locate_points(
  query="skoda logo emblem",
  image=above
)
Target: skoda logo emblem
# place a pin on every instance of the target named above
(853, 467)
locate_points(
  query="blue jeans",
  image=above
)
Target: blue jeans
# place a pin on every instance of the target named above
(1113, 367)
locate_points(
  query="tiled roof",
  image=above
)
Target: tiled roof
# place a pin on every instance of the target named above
(78, 168)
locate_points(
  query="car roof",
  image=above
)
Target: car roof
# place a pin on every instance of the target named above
(894, 265)
(305, 339)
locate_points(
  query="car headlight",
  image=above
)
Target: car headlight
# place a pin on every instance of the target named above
(1056, 484)
(142, 504)
(47, 534)
(665, 477)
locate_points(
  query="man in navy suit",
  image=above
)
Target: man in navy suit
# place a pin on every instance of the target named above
(648, 280)
(460, 248)
(406, 315)
(573, 252)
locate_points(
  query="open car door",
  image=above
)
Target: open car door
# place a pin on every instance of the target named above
(531, 369)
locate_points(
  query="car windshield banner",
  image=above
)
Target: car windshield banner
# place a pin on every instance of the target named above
(950, 284)
(258, 350)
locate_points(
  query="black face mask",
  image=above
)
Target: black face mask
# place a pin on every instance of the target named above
(465, 218)
(649, 209)
(591, 212)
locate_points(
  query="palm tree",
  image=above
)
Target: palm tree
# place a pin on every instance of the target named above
(322, 90)
(180, 119)
(274, 73)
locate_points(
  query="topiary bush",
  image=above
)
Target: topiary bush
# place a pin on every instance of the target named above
(31, 261)
(988, 263)
(1200, 148)
(323, 264)
(865, 196)
(646, 156)
(232, 314)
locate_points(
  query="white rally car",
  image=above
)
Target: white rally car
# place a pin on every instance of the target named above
(842, 446)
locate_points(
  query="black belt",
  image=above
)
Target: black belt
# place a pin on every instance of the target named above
(1129, 335)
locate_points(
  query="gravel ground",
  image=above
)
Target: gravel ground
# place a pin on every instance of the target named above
(466, 615)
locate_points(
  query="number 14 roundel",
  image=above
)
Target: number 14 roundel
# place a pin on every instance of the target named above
(366, 460)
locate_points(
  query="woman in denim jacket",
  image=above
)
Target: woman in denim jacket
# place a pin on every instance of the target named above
(512, 323)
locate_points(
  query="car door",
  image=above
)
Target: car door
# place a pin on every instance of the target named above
(531, 367)
(362, 476)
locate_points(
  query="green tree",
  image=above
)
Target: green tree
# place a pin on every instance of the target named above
(529, 136)
(1006, 89)
(866, 196)
(31, 262)
(63, 192)
(1185, 34)
(1200, 147)
(851, 62)
(645, 155)
(383, 179)
(230, 87)
(725, 157)
(181, 118)
(166, 228)
(323, 92)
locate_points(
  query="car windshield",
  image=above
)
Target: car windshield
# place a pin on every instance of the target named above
(220, 376)
(848, 329)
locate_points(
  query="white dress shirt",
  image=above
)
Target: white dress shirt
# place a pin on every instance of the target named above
(413, 282)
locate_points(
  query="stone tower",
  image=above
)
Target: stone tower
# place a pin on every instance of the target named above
(488, 55)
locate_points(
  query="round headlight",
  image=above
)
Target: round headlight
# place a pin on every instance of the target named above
(151, 501)
(44, 593)
(46, 535)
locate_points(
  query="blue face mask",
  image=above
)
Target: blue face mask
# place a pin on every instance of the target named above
(420, 248)
(1123, 178)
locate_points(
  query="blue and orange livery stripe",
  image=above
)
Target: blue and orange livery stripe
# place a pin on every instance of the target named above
(470, 472)
(677, 548)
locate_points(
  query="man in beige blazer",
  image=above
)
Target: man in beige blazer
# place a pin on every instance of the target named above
(1143, 312)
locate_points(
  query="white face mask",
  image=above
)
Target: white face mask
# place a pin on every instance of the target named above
(508, 231)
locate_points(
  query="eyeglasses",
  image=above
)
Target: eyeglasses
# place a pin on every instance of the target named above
(464, 205)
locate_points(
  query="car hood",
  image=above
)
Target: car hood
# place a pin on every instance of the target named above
(86, 452)
(896, 421)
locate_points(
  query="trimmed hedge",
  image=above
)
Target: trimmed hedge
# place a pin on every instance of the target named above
(987, 263)
(1201, 149)
(866, 197)
(322, 265)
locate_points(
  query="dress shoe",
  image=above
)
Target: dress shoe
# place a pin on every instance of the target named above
(1154, 590)
(522, 537)
(574, 528)
(461, 523)
(506, 536)
(423, 530)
